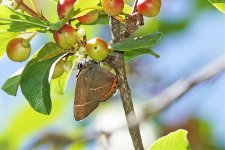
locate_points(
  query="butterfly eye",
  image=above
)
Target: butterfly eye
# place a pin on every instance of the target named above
(80, 65)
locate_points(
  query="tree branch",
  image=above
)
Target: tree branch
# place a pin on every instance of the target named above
(182, 86)
(133, 21)
(117, 62)
(167, 97)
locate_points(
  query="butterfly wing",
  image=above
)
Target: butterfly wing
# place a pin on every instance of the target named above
(84, 103)
(102, 83)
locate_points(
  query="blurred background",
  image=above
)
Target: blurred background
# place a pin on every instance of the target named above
(194, 35)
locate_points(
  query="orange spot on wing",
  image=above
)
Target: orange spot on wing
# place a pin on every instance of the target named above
(112, 89)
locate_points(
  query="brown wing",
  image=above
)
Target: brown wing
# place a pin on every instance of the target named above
(102, 83)
(84, 103)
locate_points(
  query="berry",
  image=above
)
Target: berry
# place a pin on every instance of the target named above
(97, 49)
(113, 7)
(18, 49)
(66, 36)
(149, 8)
(89, 18)
(64, 7)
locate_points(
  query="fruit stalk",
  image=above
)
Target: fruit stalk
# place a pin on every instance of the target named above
(35, 7)
(24, 7)
(31, 37)
(134, 10)
(26, 42)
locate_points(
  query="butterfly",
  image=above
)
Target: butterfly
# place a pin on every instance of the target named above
(94, 85)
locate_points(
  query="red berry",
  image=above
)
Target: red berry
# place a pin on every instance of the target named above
(113, 7)
(18, 49)
(97, 49)
(64, 7)
(149, 8)
(89, 18)
(66, 36)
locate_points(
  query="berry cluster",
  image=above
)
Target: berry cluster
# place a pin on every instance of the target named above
(73, 40)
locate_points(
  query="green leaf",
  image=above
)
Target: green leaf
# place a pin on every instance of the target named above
(49, 50)
(219, 4)
(127, 9)
(130, 55)
(5, 37)
(35, 85)
(102, 19)
(173, 141)
(58, 85)
(11, 85)
(138, 42)
(59, 24)
(12, 21)
(83, 5)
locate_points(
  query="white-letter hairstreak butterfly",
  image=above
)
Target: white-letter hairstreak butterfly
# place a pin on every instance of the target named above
(94, 85)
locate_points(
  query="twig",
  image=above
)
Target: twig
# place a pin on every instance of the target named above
(21, 5)
(125, 93)
(118, 63)
(182, 86)
(35, 7)
(135, 7)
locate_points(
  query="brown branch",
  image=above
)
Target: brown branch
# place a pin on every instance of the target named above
(134, 7)
(117, 62)
(115, 29)
(171, 94)
(125, 94)
(182, 86)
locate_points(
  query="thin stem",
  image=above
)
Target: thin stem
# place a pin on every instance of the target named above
(125, 94)
(24, 7)
(135, 7)
(93, 7)
(26, 42)
(31, 37)
(35, 7)
(119, 65)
